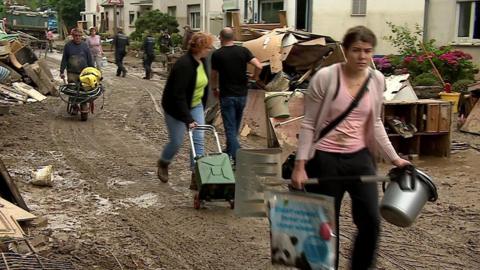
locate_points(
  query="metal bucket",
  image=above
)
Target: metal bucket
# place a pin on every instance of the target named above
(277, 105)
(406, 195)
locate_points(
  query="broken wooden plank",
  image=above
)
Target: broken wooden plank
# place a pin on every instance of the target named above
(254, 114)
(9, 227)
(30, 91)
(30, 71)
(13, 94)
(16, 212)
(472, 124)
(8, 189)
(47, 80)
(44, 65)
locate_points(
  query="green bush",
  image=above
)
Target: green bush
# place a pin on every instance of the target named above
(154, 21)
(461, 86)
(417, 57)
(135, 45)
(177, 39)
(426, 79)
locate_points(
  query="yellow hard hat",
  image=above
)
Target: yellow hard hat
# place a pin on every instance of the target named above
(93, 71)
(89, 81)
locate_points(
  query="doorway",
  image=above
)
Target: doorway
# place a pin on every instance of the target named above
(303, 15)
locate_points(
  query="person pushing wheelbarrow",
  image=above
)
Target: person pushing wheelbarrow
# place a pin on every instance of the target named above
(76, 57)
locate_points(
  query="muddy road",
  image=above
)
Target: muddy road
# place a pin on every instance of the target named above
(108, 210)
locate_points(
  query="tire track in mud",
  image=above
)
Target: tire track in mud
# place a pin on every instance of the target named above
(177, 237)
(413, 247)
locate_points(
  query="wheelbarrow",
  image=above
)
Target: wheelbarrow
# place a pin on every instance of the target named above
(213, 173)
(80, 100)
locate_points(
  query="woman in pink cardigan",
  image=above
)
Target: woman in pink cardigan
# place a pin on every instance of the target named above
(348, 149)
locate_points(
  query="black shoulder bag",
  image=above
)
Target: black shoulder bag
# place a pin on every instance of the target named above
(289, 164)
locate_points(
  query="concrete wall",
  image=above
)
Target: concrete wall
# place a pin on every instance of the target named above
(333, 18)
(208, 9)
(441, 26)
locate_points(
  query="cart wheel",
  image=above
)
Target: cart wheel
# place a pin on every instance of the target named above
(232, 204)
(84, 116)
(196, 201)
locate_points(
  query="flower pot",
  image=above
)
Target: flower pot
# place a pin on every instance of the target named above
(427, 91)
(452, 97)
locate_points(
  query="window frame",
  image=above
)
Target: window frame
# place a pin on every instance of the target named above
(470, 38)
(357, 7)
(192, 12)
(131, 18)
(260, 7)
(170, 9)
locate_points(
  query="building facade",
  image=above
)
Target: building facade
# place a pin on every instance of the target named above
(200, 15)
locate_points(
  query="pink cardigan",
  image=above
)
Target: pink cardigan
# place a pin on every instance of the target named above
(317, 105)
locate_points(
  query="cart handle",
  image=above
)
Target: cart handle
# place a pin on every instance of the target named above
(204, 128)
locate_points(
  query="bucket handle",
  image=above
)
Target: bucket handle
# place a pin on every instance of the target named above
(404, 185)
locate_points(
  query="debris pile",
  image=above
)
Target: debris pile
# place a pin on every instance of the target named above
(23, 76)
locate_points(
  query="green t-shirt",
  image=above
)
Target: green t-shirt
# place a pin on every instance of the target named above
(202, 81)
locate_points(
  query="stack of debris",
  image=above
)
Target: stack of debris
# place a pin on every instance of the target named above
(23, 77)
(469, 110)
(19, 250)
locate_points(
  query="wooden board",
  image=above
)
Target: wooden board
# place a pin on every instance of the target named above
(8, 189)
(472, 124)
(30, 71)
(433, 111)
(44, 65)
(9, 227)
(254, 114)
(16, 212)
(445, 117)
(13, 94)
(30, 91)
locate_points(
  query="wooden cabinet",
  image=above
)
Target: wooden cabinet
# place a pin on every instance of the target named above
(432, 119)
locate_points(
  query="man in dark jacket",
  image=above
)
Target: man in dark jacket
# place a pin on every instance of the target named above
(120, 42)
(148, 54)
(76, 57)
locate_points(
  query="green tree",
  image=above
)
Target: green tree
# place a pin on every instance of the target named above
(68, 11)
(154, 21)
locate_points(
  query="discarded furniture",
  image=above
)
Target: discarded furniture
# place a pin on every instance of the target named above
(432, 120)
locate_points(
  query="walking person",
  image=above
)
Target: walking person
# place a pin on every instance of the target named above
(76, 56)
(183, 101)
(148, 48)
(347, 150)
(165, 42)
(94, 43)
(120, 42)
(49, 36)
(229, 82)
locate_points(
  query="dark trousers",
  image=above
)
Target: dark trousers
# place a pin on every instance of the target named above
(119, 62)
(232, 112)
(147, 65)
(364, 199)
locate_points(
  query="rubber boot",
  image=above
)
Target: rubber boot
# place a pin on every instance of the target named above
(162, 171)
(193, 182)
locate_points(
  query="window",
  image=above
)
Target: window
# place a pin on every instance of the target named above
(269, 10)
(193, 12)
(468, 20)
(131, 17)
(172, 11)
(359, 7)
